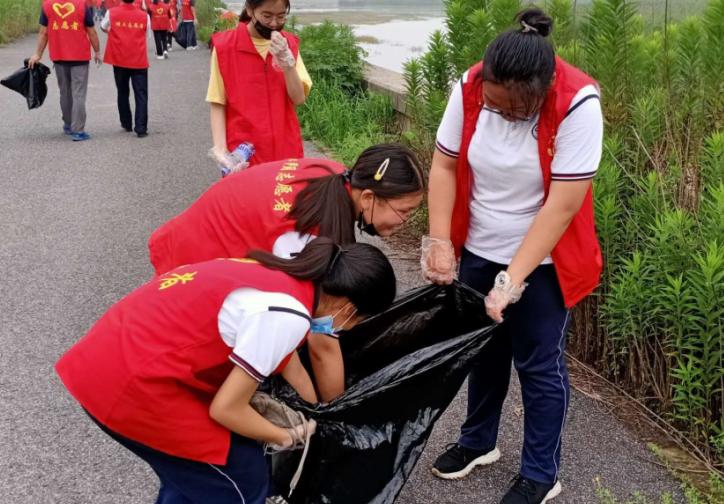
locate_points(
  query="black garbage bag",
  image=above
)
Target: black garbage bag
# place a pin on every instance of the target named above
(183, 34)
(404, 367)
(29, 82)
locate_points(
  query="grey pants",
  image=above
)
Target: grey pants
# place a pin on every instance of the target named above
(73, 84)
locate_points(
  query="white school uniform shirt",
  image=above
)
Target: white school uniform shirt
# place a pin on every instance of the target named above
(262, 329)
(291, 243)
(507, 190)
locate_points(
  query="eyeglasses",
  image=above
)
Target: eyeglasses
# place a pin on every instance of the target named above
(269, 18)
(397, 213)
(512, 117)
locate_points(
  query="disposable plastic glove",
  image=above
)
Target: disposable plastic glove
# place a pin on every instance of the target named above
(501, 295)
(224, 158)
(298, 437)
(437, 260)
(281, 53)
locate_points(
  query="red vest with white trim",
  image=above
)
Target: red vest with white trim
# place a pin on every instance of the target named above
(577, 256)
(258, 108)
(151, 366)
(67, 36)
(242, 212)
(160, 19)
(126, 46)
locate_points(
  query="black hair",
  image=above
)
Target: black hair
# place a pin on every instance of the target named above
(253, 4)
(326, 204)
(523, 57)
(358, 271)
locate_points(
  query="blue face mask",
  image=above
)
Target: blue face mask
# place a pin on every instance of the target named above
(325, 325)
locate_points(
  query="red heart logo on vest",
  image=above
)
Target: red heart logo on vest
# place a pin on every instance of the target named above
(159, 11)
(64, 10)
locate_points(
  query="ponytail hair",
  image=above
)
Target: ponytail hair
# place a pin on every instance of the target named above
(325, 202)
(358, 271)
(253, 4)
(523, 57)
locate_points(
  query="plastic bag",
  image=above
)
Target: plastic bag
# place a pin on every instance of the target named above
(404, 367)
(183, 34)
(29, 82)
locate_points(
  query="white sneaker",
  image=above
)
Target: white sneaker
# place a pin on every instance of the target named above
(159, 57)
(165, 55)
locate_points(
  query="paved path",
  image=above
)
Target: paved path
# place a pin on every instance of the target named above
(74, 219)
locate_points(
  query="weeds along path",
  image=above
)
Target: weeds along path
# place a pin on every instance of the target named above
(74, 220)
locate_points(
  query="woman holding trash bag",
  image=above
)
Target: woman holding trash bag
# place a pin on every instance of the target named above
(257, 80)
(510, 189)
(280, 206)
(189, 21)
(169, 371)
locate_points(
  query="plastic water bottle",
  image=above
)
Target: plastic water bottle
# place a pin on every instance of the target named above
(242, 154)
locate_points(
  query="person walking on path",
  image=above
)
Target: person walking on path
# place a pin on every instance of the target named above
(510, 189)
(68, 30)
(173, 24)
(160, 13)
(258, 104)
(170, 370)
(188, 18)
(126, 50)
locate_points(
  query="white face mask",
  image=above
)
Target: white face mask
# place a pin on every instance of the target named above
(325, 325)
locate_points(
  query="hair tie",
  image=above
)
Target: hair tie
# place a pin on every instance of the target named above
(382, 169)
(347, 175)
(528, 28)
(335, 258)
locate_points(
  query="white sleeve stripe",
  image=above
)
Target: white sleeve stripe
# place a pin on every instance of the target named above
(247, 367)
(445, 150)
(568, 178)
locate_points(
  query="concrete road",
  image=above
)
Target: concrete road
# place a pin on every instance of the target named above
(74, 220)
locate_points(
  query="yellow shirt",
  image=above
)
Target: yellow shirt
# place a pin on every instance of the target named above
(216, 92)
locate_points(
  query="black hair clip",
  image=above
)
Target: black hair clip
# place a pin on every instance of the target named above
(334, 260)
(347, 175)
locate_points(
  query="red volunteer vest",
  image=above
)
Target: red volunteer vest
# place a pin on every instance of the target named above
(577, 256)
(139, 4)
(67, 36)
(126, 46)
(160, 19)
(186, 13)
(258, 108)
(150, 367)
(174, 21)
(240, 213)
(110, 4)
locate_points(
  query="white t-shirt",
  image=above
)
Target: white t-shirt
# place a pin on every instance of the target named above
(262, 329)
(290, 243)
(508, 191)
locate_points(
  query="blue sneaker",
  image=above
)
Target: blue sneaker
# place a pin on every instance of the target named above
(67, 130)
(80, 136)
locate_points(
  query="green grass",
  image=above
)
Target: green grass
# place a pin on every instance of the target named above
(17, 18)
(339, 114)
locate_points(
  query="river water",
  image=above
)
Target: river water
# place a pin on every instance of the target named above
(391, 32)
